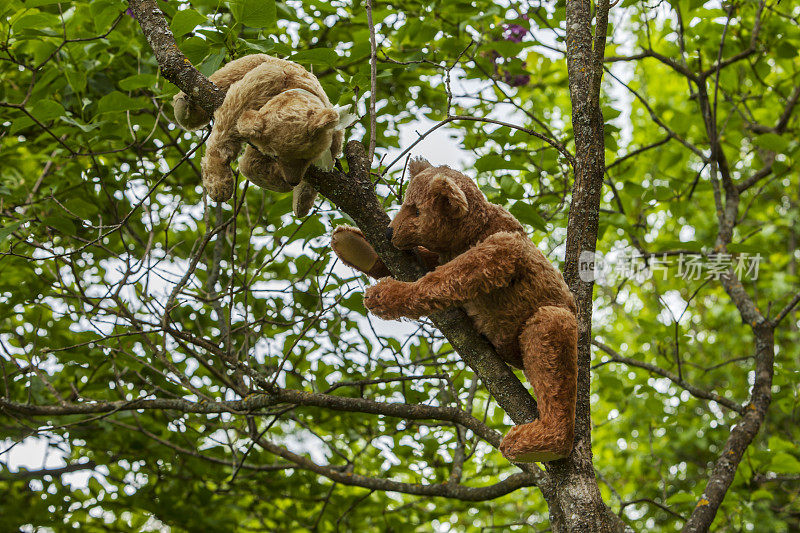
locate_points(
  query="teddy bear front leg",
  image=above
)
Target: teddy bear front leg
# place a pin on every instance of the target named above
(217, 175)
(549, 352)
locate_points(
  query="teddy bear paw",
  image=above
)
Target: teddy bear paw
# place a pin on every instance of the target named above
(386, 299)
(219, 191)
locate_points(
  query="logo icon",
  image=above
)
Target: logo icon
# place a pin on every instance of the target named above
(592, 266)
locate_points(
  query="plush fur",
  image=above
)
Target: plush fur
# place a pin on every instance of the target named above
(281, 110)
(488, 266)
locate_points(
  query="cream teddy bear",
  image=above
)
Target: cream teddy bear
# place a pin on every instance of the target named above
(280, 109)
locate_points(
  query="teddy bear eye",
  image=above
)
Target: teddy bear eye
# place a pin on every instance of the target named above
(414, 210)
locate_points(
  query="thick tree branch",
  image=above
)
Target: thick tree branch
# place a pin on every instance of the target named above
(38, 474)
(577, 504)
(741, 435)
(261, 401)
(745, 430)
(173, 64)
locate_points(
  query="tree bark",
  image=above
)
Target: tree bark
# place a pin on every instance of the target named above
(576, 504)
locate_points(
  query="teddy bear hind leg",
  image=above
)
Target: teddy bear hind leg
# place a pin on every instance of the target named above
(303, 199)
(353, 249)
(549, 351)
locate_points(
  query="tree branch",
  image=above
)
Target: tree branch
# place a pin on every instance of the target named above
(37, 474)
(694, 391)
(260, 401)
(444, 490)
(173, 64)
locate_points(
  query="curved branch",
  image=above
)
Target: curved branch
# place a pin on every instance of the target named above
(173, 64)
(443, 490)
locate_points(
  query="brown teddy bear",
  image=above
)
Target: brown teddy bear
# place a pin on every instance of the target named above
(281, 110)
(488, 266)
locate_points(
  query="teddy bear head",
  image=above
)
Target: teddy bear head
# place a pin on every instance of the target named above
(435, 211)
(296, 127)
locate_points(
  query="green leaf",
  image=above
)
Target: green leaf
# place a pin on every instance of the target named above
(316, 56)
(212, 63)
(76, 79)
(195, 49)
(761, 494)
(137, 81)
(772, 141)
(783, 463)
(784, 49)
(5, 231)
(116, 102)
(738, 247)
(527, 214)
(104, 12)
(81, 208)
(492, 162)
(185, 21)
(46, 110)
(64, 225)
(254, 13)
(82, 127)
(34, 21)
(37, 3)
(259, 45)
(680, 497)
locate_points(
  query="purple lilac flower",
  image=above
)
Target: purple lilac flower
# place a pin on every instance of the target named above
(516, 80)
(515, 33)
(129, 12)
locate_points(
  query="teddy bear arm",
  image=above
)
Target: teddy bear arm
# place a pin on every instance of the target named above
(218, 178)
(487, 266)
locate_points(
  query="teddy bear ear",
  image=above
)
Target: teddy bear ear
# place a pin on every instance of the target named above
(322, 119)
(417, 165)
(449, 196)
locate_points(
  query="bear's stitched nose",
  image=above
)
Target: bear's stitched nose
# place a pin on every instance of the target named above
(389, 234)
